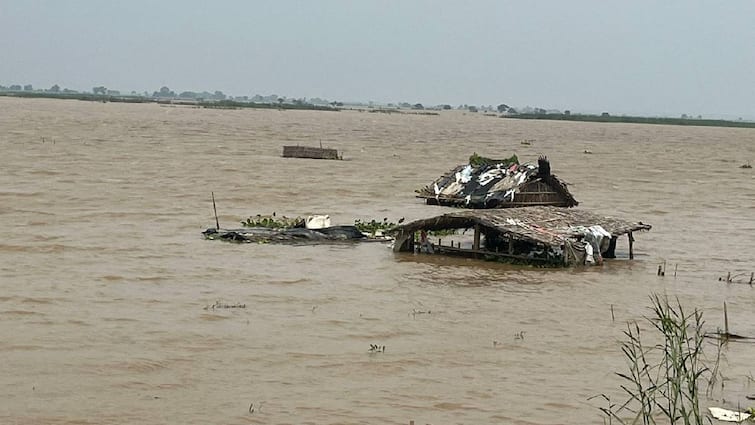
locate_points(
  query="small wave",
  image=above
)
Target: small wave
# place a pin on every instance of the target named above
(21, 194)
(41, 249)
(20, 313)
(37, 300)
(290, 282)
(213, 317)
(139, 366)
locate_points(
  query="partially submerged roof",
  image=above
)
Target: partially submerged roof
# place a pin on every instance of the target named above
(489, 183)
(547, 225)
(310, 152)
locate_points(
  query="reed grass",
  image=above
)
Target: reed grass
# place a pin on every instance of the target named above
(663, 380)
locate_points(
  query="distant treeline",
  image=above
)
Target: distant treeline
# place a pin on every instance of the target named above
(219, 104)
(635, 120)
(232, 104)
(77, 96)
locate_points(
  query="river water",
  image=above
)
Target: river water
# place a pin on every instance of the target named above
(105, 280)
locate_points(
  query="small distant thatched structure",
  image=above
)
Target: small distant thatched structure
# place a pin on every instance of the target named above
(310, 152)
(490, 183)
(545, 235)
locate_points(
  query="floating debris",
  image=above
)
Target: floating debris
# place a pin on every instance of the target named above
(313, 229)
(219, 305)
(738, 278)
(293, 235)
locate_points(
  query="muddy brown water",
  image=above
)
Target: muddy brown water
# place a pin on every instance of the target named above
(104, 275)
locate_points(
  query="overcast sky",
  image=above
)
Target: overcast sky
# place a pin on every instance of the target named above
(660, 57)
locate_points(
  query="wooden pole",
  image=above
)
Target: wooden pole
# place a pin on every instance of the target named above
(476, 245)
(214, 208)
(726, 321)
(511, 245)
(631, 251)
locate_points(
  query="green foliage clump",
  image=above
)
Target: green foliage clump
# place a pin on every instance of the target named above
(443, 232)
(273, 222)
(478, 161)
(375, 227)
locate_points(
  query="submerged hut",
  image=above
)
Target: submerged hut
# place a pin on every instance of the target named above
(310, 152)
(489, 183)
(545, 235)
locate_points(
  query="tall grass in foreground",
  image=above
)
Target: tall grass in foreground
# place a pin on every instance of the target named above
(663, 381)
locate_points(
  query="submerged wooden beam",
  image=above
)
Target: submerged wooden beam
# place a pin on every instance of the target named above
(476, 253)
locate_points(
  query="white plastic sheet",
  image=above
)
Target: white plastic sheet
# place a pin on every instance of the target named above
(728, 415)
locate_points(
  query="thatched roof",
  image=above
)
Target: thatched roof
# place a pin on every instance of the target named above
(547, 225)
(487, 183)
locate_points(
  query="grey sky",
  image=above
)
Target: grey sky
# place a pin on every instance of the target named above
(640, 57)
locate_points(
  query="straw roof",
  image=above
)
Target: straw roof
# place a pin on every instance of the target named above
(539, 224)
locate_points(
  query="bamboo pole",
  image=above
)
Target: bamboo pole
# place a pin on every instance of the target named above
(214, 208)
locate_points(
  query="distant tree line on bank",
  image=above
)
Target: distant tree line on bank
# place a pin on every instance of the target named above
(218, 99)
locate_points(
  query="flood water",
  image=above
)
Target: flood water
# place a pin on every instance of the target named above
(105, 277)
